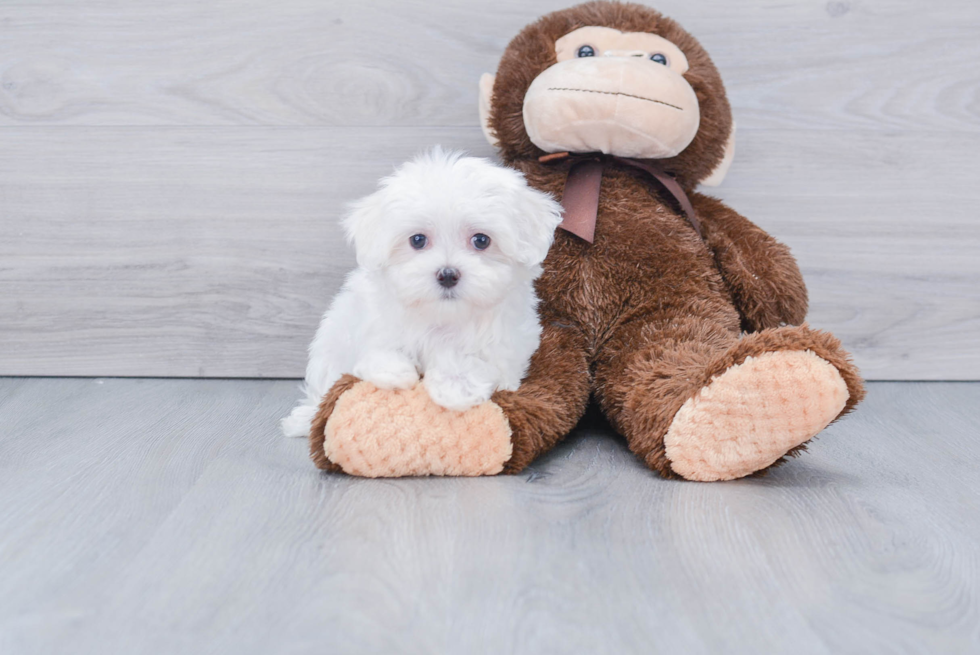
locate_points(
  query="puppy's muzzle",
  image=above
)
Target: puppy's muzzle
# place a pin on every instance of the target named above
(448, 277)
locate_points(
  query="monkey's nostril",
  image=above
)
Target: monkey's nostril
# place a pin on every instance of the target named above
(448, 277)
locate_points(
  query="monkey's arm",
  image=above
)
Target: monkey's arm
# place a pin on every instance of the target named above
(760, 272)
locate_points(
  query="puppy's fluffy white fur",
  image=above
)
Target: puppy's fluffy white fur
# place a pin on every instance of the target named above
(393, 322)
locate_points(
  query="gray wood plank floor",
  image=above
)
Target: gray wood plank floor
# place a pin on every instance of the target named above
(166, 516)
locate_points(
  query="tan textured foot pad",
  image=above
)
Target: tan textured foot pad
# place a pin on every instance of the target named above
(375, 433)
(753, 414)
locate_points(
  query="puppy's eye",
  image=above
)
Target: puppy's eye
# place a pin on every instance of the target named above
(480, 241)
(659, 58)
(585, 51)
(418, 241)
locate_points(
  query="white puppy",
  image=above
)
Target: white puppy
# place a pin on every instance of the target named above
(448, 249)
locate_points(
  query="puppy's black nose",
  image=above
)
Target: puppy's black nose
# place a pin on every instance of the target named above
(448, 277)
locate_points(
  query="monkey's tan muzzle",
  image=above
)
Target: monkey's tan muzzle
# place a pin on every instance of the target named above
(624, 106)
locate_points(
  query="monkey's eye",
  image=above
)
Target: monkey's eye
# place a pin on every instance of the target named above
(480, 241)
(585, 51)
(659, 58)
(418, 241)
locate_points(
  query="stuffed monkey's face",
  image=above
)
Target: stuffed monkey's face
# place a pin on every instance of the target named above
(620, 93)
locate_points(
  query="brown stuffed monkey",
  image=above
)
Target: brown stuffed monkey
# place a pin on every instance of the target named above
(677, 315)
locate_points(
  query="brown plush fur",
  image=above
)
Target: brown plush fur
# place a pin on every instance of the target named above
(317, 430)
(648, 314)
(533, 50)
(658, 309)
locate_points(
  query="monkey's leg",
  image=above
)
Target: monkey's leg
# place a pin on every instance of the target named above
(366, 431)
(695, 401)
(552, 397)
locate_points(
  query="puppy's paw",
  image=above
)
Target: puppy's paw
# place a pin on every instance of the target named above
(387, 370)
(456, 392)
(297, 424)
(509, 385)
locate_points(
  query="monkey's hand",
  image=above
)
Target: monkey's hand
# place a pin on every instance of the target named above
(761, 274)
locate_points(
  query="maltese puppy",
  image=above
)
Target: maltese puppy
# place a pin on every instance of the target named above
(448, 249)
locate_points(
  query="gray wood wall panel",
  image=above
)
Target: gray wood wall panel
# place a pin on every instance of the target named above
(170, 173)
(880, 65)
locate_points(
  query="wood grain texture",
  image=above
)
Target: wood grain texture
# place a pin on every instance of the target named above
(162, 516)
(187, 252)
(880, 65)
(171, 173)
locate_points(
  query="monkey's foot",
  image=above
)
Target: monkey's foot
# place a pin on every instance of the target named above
(753, 414)
(376, 433)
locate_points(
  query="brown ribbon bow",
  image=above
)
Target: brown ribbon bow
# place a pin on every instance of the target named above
(581, 197)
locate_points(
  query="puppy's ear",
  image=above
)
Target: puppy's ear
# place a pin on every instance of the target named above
(536, 216)
(365, 231)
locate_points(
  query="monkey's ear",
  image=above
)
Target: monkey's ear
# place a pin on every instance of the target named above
(721, 169)
(486, 98)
